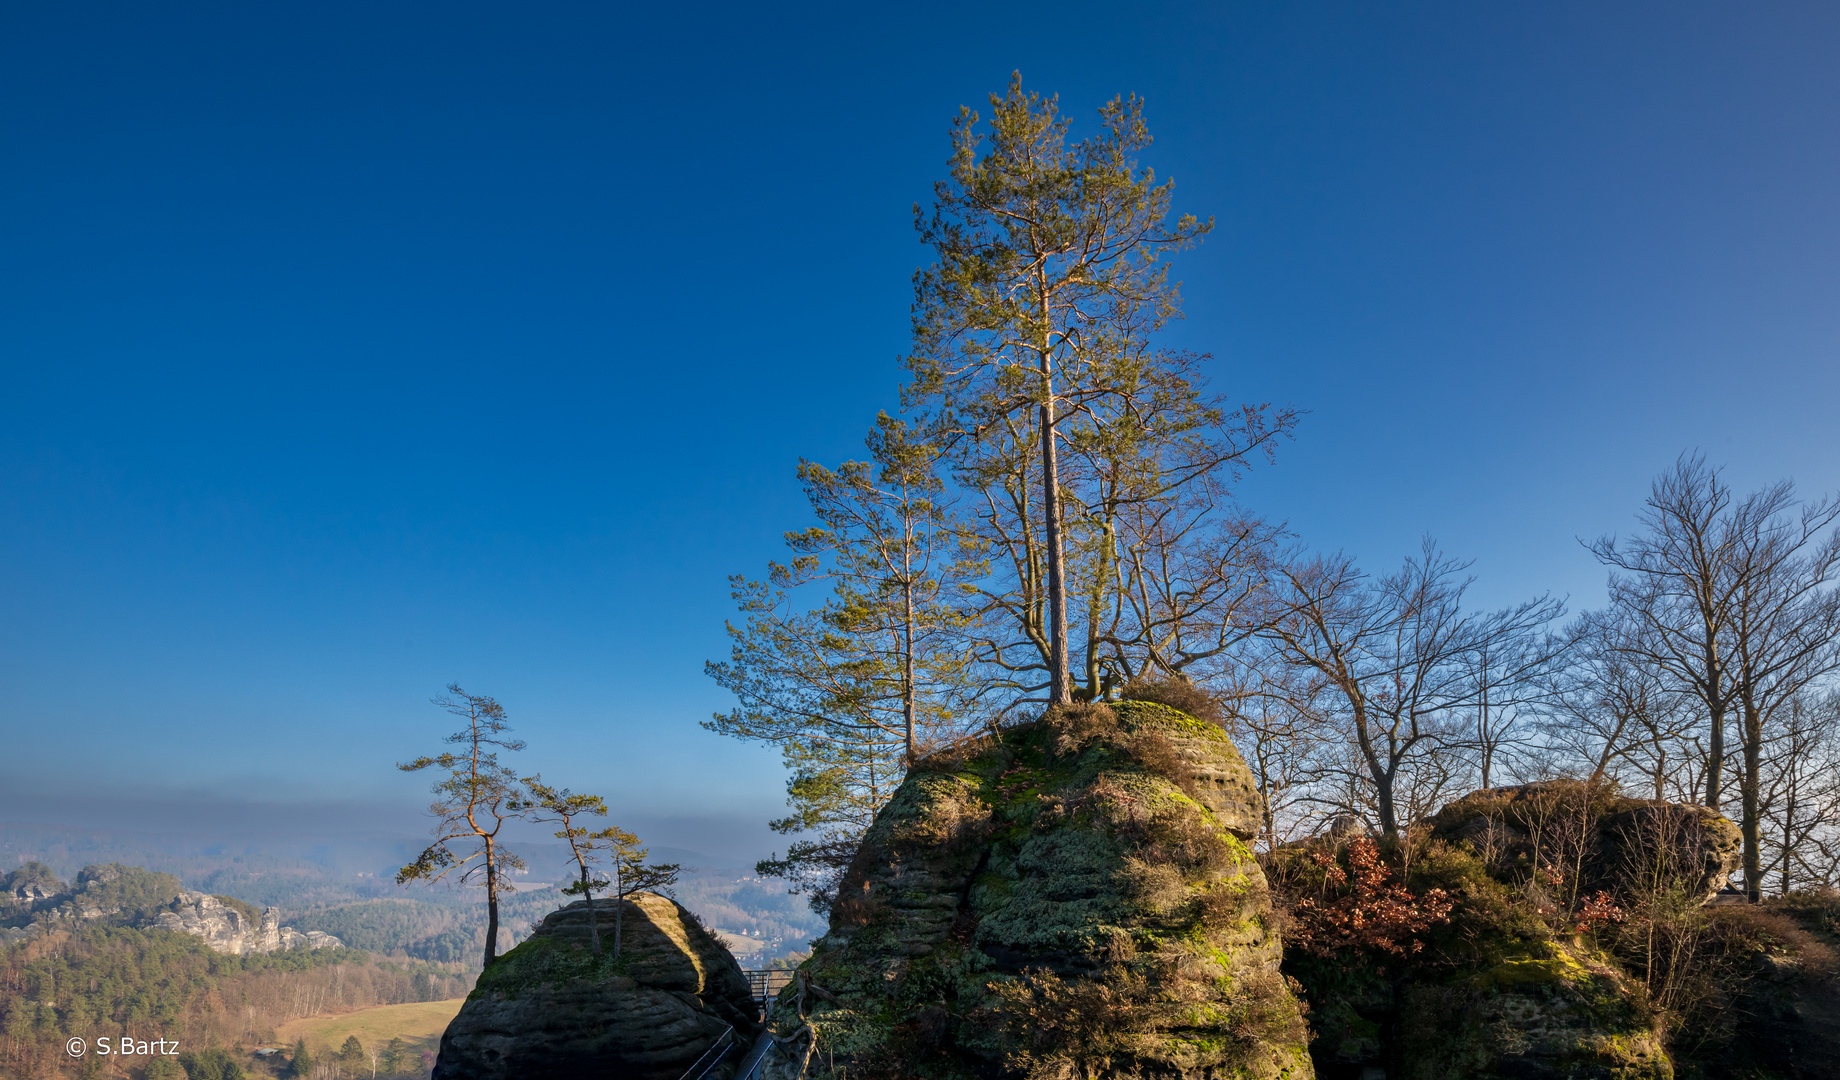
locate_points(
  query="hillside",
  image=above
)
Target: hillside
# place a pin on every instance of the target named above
(108, 981)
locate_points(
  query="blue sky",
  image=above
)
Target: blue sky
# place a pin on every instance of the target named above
(350, 350)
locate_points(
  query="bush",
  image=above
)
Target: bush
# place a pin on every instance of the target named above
(1079, 725)
(1347, 899)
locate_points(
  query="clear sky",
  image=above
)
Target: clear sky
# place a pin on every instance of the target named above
(353, 349)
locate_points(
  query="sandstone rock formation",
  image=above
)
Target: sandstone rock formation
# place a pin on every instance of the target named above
(1605, 837)
(28, 887)
(34, 901)
(548, 1008)
(228, 928)
(1508, 988)
(1074, 898)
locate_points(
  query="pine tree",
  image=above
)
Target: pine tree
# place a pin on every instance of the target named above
(301, 1064)
(855, 689)
(562, 807)
(1047, 276)
(472, 804)
(632, 873)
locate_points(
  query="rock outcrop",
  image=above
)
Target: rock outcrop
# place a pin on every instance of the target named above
(1072, 898)
(548, 1008)
(229, 928)
(1511, 986)
(29, 887)
(34, 902)
(1600, 837)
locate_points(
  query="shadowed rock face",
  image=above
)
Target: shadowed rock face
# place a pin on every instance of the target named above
(1053, 905)
(548, 1008)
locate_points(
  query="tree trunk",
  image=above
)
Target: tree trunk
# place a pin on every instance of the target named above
(1058, 693)
(1383, 792)
(491, 905)
(594, 930)
(1488, 737)
(1715, 707)
(907, 666)
(1788, 839)
(1095, 607)
(1383, 777)
(619, 907)
(1750, 787)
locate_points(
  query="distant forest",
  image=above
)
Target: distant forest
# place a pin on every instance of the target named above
(112, 980)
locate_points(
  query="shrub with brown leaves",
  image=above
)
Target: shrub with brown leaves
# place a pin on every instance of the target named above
(1360, 906)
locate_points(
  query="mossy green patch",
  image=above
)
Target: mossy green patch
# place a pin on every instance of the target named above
(540, 961)
(1526, 970)
(1151, 716)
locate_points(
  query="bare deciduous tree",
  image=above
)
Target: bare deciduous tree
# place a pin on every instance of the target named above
(1607, 716)
(1784, 629)
(1675, 588)
(1401, 656)
(1800, 796)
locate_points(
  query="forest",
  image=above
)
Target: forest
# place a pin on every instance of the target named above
(103, 980)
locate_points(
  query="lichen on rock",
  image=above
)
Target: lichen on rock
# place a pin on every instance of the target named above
(1071, 897)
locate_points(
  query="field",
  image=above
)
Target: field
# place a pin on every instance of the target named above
(419, 1024)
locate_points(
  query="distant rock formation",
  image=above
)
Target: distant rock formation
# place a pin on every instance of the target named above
(547, 1008)
(229, 930)
(1076, 899)
(33, 902)
(26, 888)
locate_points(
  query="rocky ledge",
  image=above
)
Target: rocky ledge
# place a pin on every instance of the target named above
(228, 927)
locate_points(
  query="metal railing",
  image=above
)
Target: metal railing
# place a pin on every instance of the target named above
(750, 1065)
(764, 983)
(719, 1048)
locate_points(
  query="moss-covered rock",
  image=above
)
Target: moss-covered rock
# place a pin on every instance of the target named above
(1073, 898)
(1597, 837)
(550, 1008)
(1556, 1011)
(1511, 984)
